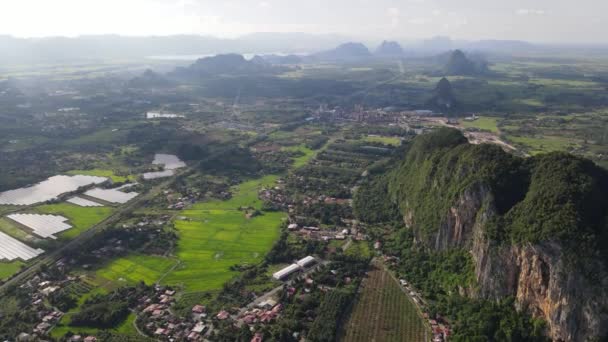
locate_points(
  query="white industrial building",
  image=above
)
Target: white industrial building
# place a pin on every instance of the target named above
(44, 226)
(170, 161)
(48, 190)
(299, 265)
(81, 202)
(111, 195)
(158, 174)
(305, 262)
(11, 249)
(285, 272)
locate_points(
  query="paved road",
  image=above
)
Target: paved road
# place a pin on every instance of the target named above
(52, 257)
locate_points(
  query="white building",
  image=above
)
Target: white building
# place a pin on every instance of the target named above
(309, 260)
(283, 273)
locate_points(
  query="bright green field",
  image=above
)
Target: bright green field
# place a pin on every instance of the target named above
(359, 249)
(485, 123)
(217, 235)
(135, 268)
(384, 140)
(81, 218)
(11, 228)
(125, 328)
(544, 144)
(100, 173)
(303, 160)
(7, 269)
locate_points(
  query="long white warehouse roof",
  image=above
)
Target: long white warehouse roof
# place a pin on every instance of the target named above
(82, 202)
(111, 195)
(42, 225)
(47, 190)
(286, 271)
(11, 249)
(306, 261)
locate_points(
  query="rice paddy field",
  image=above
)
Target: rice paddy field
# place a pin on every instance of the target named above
(215, 235)
(7, 269)
(81, 218)
(134, 268)
(383, 312)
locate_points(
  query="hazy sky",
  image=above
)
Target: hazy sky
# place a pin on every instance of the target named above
(535, 20)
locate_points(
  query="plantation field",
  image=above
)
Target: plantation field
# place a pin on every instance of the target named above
(383, 312)
(216, 235)
(484, 123)
(135, 268)
(394, 141)
(81, 218)
(7, 269)
(101, 173)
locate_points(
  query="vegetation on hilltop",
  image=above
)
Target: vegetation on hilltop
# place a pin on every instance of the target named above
(552, 196)
(459, 64)
(555, 197)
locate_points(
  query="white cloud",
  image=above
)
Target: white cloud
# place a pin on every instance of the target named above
(529, 11)
(264, 4)
(394, 15)
(393, 12)
(418, 21)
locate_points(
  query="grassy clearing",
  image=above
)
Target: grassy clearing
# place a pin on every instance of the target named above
(7, 269)
(544, 144)
(394, 141)
(384, 313)
(359, 249)
(135, 268)
(91, 287)
(484, 123)
(81, 218)
(102, 173)
(216, 235)
(12, 229)
(303, 160)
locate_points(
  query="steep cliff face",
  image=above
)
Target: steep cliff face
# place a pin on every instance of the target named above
(518, 247)
(535, 274)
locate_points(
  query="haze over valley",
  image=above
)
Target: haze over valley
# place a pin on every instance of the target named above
(303, 171)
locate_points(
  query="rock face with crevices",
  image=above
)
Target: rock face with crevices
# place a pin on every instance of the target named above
(452, 195)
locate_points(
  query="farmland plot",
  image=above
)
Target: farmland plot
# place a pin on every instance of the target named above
(215, 235)
(383, 312)
(81, 218)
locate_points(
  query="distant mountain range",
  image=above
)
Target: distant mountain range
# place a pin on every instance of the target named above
(62, 49)
(345, 51)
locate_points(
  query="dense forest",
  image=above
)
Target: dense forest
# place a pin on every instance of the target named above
(472, 211)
